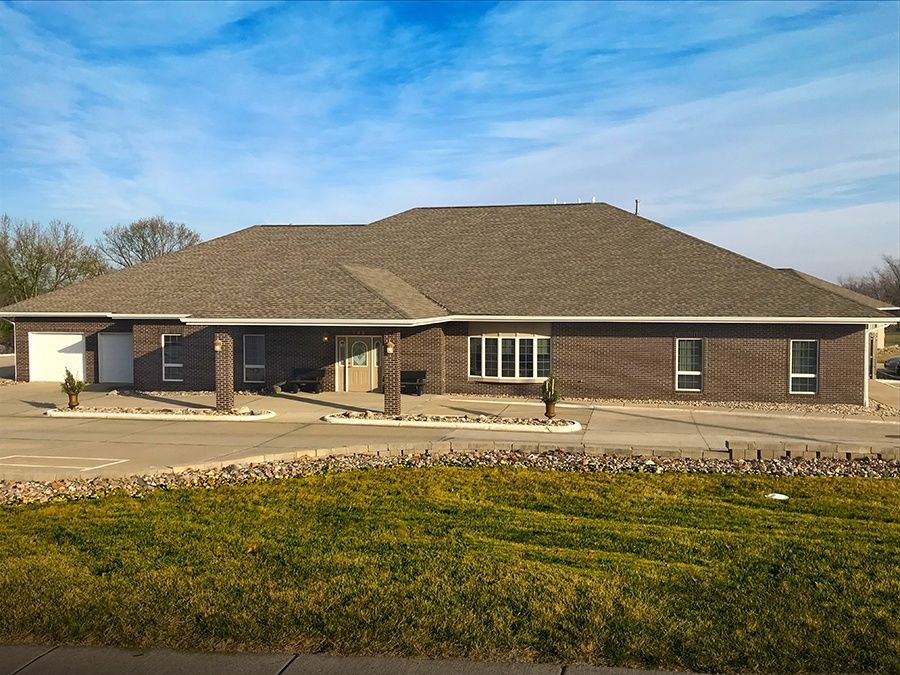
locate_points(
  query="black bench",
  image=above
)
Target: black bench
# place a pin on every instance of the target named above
(412, 381)
(311, 378)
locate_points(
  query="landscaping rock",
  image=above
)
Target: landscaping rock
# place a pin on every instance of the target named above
(456, 419)
(874, 409)
(175, 412)
(28, 492)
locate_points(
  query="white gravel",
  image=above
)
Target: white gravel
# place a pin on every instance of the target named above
(874, 409)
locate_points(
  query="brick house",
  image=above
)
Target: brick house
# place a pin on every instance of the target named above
(486, 300)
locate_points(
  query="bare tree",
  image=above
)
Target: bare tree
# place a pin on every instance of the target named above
(143, 240)
(882, 282)
(35, 259)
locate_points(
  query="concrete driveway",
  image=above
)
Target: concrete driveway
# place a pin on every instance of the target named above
(36, 447)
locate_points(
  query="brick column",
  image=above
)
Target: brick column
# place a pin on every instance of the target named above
(224, 372)
(390, 374)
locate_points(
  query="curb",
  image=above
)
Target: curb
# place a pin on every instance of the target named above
(169, 417)
(572, 427)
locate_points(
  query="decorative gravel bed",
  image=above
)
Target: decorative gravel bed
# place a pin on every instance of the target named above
(4, 382)
(874, 408)
(176, 394)
(29, 492)
(452, 419)
(175, 412)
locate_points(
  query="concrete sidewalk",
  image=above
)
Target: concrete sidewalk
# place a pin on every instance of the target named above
(37, 660)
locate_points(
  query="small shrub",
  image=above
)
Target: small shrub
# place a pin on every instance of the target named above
(550, 391)
(70, 385)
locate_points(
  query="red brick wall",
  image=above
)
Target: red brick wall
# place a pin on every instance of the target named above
(741, 362)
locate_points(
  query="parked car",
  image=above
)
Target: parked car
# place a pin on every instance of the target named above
(892, 365)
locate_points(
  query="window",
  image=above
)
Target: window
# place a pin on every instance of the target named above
(526, 358)
(475, 356)
(689, 364)
(359, 354)
(255, 358)
(543, 357)
(490, 357)
(509, 357)
(804, 366)
(172, 358)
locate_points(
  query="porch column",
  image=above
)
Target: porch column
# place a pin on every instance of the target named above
(224, 350)
(390, 373)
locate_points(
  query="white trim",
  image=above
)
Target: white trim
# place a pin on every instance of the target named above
(690, 372)
(253, 365)
(792, 374)
(220, 321)
(427, 321)
(104, 315)
(162, 345)
(867, 337)
(499, 377)
(15, 353)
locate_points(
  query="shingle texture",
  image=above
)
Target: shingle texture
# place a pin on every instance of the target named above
(540, 260)
(874, 303)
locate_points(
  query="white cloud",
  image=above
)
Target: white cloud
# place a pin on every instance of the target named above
(711, 114)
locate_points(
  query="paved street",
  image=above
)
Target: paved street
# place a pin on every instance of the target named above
(33, 446)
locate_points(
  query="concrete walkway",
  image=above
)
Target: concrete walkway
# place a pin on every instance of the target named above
(36, 447)
(36, 660)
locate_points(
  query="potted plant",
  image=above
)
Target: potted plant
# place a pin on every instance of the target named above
(550, 395)
(72, 387)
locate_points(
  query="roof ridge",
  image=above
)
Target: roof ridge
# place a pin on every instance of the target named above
(500, 206)
(346, 268)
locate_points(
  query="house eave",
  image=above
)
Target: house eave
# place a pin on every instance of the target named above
(426, 321)
(221, 321)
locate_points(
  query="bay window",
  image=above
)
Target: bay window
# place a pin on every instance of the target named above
(509, 357)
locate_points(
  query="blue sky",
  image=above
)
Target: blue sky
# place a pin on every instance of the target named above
(770, 128)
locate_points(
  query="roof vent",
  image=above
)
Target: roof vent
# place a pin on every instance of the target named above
(637, 203)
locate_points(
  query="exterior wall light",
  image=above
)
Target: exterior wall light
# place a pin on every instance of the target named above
(217, 345)
(325, 337)
(389, 346)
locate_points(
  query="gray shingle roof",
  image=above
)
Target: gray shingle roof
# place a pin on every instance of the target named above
(874, 303)
(533, 260)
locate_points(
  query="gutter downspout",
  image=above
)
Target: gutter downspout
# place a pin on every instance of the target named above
(867, 336)
(15, 360)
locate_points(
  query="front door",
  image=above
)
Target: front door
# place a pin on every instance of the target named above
(358, 363)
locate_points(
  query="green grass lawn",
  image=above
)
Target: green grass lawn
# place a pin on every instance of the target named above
(677, 571)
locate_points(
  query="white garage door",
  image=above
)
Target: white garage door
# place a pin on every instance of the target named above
(116, 357)
(49, 354)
